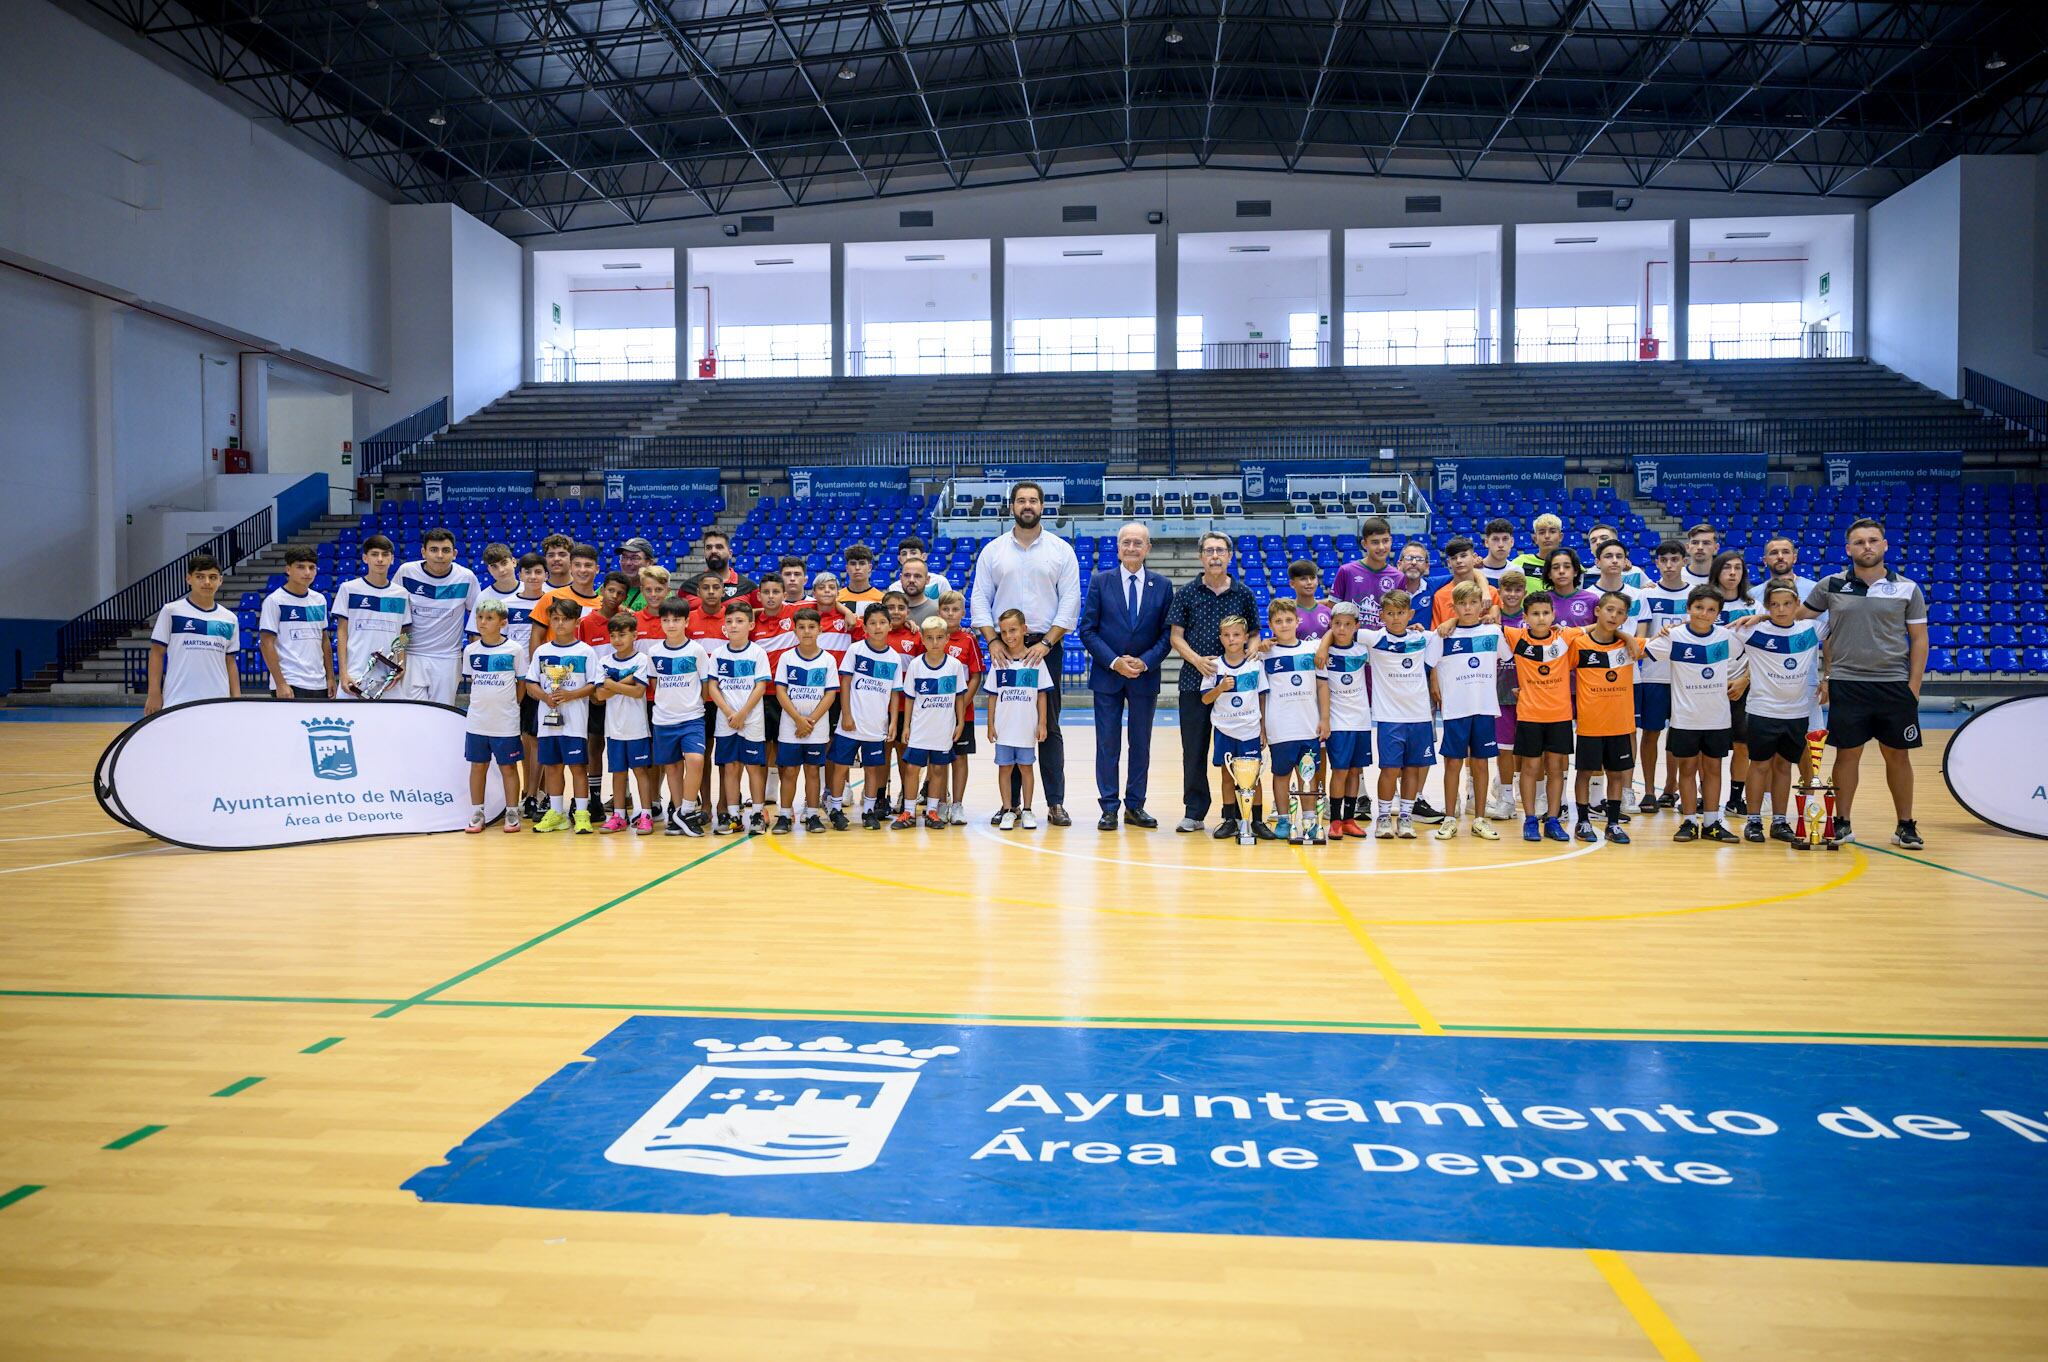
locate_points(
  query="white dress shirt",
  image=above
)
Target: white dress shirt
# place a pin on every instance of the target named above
(1042, 578)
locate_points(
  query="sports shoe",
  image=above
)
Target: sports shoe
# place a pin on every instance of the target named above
(1688, 831)
(1263, 833)
(1446, 830)
(1425, 812)
(782, 825)
(758, 825)
(674, 827)
(644, 824)
(582, 822)
(906, 819)
(1907, 836)
(997, 817)
(1501, 805)
(725, 826)
(1484, 830)
(616, 822)
(1718, 832)
(529, 808)
(1404, 827)
(1631, 802)
(934, 819)
(837, 818)
(1383, 827)
(1753, 830)
(511, 820)
(1226, 830)
(813, 822)
(1736, 804)
(1028, 821)
(554, 820)
(1532, 829)
(1357, 829)
(1554, 830)
(1283, 829)
(959, 817)
(476, 821)
(1007, 820)
(1334, 831)
(1781, 831)
(870, 819)
(1584, 831)
(1843, 832)
(1668, 800)
(1617, 835)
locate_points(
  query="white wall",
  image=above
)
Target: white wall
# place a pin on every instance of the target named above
(2000, 281)
(624, 306)
(1832, 252)
(551, 292)
(45, 350)
(1592, 278)
(1243, 294)
(933, 294)
(307, 430)
(1420, 282)
(1755, 280)
(1079, 288)
(486, 283)
(760, 295)
(1915, 263)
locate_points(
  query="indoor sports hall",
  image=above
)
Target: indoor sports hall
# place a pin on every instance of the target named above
(549, 531)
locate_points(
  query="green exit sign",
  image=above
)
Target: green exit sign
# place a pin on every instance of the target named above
(1824, 284)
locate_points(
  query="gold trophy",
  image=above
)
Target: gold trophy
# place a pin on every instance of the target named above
(552, 677)
(1244, 774)
(1815, 799)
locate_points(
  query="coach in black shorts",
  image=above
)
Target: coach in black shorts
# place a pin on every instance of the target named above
(1877, 656)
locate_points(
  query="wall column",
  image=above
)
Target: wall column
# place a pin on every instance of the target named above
(835, 275)
(106, 511)
(1505, 341)
(1859, 284)
(1165, 298)
(1335, 330)
(253, 420)
(998, 308)
(1681, 288)
(686, 362)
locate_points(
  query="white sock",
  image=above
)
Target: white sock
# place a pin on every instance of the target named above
(559, 803)
(582, 805)
(1406, 807)
(867, 806)
(833, 801)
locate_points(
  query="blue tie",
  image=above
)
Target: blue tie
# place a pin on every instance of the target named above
(1131, 585)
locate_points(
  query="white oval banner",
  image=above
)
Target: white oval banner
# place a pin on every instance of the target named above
(1997, 765)
(234, 774)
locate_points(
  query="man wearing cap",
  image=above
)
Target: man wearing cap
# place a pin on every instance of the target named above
(634, 554)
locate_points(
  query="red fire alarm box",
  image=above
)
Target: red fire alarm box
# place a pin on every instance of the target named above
(1646, 348)
(707, 367)
(238, 461)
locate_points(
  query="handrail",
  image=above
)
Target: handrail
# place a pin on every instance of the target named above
(402, 435)
(138, 602)
(2017, 407)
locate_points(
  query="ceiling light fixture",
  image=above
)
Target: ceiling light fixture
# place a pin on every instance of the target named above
(1407, 245)
(921, 259)
(615, 265)
(1573, 240)
(438, 119)
(1745, 236)
(775, 262)
(846, 73)
(1997, 63)
(1078, 253)
(1519, 45)
(1173, 37)
(1249, 250)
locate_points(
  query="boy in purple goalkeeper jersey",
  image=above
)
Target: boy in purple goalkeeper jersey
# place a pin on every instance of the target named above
(1364, 582)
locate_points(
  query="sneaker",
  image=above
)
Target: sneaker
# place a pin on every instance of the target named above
(758, 825)
(1383, 827)
(696, 823)
(870, 819)
(1263, 833)
(1617, 834)
(1631, 802)
(1446, 830)
(1668, 800)
(529, 809)
(582, 822)
(1501, 805)
(1335, 831)
(674, 826)
(1226, 830)
(1554, 830)
(782, 825)
(554, 820)
(934, 819)
(1736, 804)
(1781, 831)
(837, 818)
(959, 818)
(476, 821)
(1688, 831)
(725, 826)
(1283, 829)
(1028, 821)
(903, 820)
(644, 824)
(1357, 829)
(1484, 830)
(1753, 830)
(1907, 836)
(1532, 829)
(813, 822)
(997, 817)
(1404, 827)
(1425, 812)
(1718, 832)
(1584, 831)
(1843, 832)
(615, 823)
(1007, 820)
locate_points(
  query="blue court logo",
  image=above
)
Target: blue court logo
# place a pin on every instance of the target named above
(332, 747)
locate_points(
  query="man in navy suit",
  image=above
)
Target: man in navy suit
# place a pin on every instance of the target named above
(1123, 626)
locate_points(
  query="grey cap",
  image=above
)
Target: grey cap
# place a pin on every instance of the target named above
(637, 545)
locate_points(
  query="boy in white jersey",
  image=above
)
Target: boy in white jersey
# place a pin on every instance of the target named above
(441, 591)
(1236, 692)
(935, 711)
(561, 677)
(628, 741)
(1787, 684)
(1295, 715)
(293, 631)
(676, 670)
(192, 648)
(1467, 681)
(493, 663)
(1016, 720)
(500, 570)
(965, 645)
(1707, 669)
(806, 684)
(869, 676)
(372, 611)
(519, 628)
(1341, 662)
(739, 684)
(1660, 603)
(1403, 657)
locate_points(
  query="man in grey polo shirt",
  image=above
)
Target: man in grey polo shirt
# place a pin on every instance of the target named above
(1876, 657)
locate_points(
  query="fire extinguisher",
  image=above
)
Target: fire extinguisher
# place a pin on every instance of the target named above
(237, 457)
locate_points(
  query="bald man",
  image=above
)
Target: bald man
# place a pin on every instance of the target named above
(1123, 626)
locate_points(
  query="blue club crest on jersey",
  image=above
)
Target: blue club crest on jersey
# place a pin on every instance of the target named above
(935, 685)
(492, 662)
(1017, 678)
(674, 666)
(816, 677)
(332, 747)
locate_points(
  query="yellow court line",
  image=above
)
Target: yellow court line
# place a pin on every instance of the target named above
(1408, 996)
(1663, 1334)
(974, 896)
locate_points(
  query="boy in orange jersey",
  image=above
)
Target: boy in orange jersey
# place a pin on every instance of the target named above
(1543, 712)
(1604, 662)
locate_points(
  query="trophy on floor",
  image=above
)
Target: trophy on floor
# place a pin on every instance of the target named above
(552, 676)
(1815, 800)
(382, 673)
(1308, 806)
(1244, 774)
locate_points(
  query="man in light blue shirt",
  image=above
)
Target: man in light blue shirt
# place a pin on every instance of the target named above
(1036, 572)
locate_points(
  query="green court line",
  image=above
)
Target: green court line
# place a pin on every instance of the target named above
(134, 1137)
(193, 997)
(21, 1193)
(555, 931)
(239, 1085)
(1328, 1024)
(1937, 865)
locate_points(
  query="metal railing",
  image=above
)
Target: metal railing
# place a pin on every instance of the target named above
(137, 604)
(561, 366)
(1264, 354)
(1036, 359)
(1772, 345)
(1462, 350)
(2016, 407)
(401, 435)
(775, 364)
(911, 364)
(1573, 348)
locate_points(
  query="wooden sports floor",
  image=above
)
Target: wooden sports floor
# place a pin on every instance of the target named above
(217, 1069)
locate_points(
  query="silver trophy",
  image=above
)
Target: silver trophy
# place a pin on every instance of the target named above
(1308, 805)
(551, 678)
(1244, 774)
(382, 673)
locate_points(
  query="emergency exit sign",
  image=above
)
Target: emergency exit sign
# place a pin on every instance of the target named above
(1824, 284)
